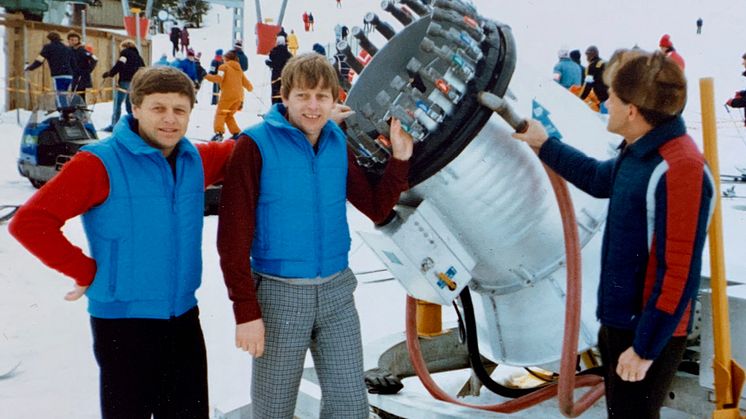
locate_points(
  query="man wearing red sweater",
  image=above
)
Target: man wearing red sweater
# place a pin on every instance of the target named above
(283, 241)
(141, 196)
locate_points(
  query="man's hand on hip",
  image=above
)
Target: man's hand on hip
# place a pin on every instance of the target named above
(76, 293)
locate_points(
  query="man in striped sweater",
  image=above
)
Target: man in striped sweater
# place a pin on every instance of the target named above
(660, 195)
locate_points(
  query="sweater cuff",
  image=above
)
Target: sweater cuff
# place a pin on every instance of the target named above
(84, 277)
(399, 169)
(246, 311)
(549, 149)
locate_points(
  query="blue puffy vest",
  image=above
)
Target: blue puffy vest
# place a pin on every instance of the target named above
(301, 214)
(146, 237)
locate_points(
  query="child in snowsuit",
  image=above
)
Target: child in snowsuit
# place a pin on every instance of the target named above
(293, 42)
(232, 82)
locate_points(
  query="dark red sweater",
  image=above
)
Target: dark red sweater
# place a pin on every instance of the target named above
(238, 200)
(82, 184)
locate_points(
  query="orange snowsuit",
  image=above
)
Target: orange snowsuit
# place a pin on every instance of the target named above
(292, 43)
(232, 82)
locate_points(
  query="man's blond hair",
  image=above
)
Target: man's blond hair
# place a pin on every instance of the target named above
(308, 71)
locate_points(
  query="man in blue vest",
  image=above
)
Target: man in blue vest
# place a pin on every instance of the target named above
(283, 241)
(660, 195)
(141, 196)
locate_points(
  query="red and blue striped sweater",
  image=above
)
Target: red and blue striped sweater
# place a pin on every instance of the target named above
(660, 194)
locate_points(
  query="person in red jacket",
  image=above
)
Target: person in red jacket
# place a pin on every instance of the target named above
(667, 48)
(139, 280)
(739, 99)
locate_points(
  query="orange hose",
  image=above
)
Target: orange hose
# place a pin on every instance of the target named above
(568, 381)
(567, 377)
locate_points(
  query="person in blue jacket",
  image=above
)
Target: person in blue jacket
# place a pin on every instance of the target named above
(566, 72)
(243, 60)
(62, 65)
(660, 193)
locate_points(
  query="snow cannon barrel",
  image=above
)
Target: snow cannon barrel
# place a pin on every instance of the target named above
(480, 210)
(427, 76)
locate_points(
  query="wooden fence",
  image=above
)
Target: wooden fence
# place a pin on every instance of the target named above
(34, 90)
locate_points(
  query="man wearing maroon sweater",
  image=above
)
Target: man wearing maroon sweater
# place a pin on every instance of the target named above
(283, 241)
(141, 195)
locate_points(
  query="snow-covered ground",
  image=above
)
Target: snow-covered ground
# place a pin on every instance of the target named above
(57, 377)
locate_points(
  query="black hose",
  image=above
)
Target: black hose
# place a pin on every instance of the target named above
(475, 358)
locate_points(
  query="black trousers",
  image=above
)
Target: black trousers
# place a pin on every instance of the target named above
(641, 399)
(152, 367)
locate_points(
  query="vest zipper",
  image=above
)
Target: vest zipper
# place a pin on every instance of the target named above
(319, 219)
(171, 176)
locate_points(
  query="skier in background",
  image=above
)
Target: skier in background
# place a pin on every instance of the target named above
(306, 23)
(292, 42)
(337, 32)
(310, 20)
(739, 99)
(232, 82)
(575, 57)
(214, 64)
(699, 26)
(61, 64)
(566, 72)
(278, 57)
(595, 92)
(175, 38)
(85, 62)
(127, 65)
(242, 58)
(184, 39)
(666, 46)
(282, 32)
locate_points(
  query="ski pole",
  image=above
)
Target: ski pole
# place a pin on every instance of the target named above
(733, 120)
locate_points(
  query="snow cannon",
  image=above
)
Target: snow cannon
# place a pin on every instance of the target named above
(481, 216)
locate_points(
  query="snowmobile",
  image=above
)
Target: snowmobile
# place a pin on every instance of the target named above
(47, 145)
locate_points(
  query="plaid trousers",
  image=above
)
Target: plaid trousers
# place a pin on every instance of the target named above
(322, 318)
